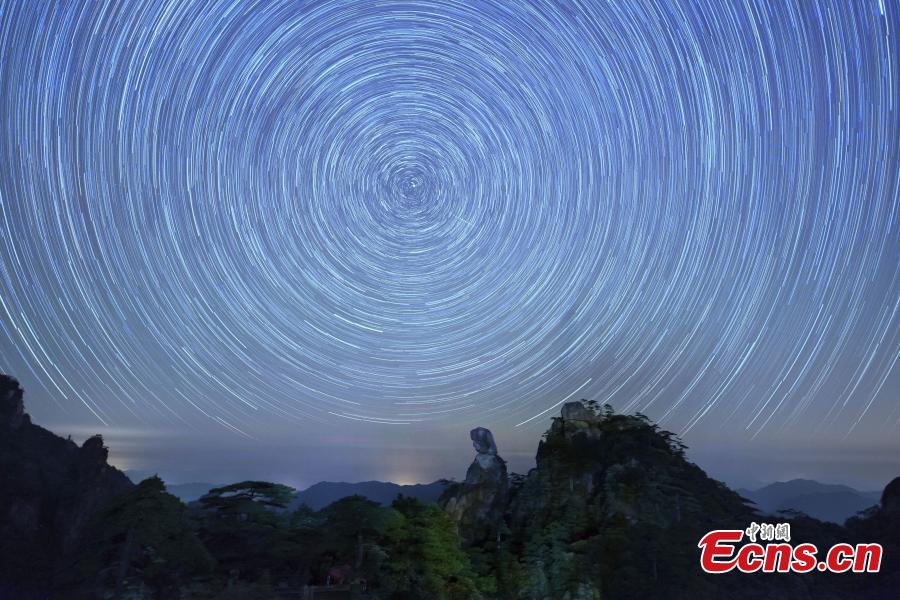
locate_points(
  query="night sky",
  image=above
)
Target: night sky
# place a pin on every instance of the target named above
(322, 240)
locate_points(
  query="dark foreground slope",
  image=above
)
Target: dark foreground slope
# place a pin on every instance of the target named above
(49, 490)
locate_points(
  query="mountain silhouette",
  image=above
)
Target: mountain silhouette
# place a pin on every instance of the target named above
(612, 510)
(827, 502)
(49, 489)
(189, 492)
(322, 494)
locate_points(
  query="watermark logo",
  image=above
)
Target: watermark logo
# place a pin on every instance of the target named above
(721, 552)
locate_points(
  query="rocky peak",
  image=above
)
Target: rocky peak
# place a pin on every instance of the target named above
(488, 467)
(577, 411)
(51, 488)
(94, 450)
(483, 440)
(477, 504)
(12, 408)
(890, 498)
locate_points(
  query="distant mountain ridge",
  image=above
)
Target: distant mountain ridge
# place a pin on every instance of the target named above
(188, 492)
(827, 502)
(322, 494)
(318, 495)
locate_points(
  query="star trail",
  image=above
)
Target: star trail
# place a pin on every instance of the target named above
(233, 214)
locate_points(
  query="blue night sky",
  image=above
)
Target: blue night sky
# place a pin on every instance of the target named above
(322, 240)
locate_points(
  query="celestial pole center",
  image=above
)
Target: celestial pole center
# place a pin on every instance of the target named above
(398, 213)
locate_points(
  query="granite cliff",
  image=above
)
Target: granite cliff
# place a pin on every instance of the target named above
(477, 504)
(51, 487)
(613, 509)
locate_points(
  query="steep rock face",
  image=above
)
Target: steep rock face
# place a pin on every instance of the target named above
(613, 509)
(12, 406)
(483, 440)
(50, 489)
(478, 503)
(608, 494)
(890, 499)
(623, 466)
(880, 524)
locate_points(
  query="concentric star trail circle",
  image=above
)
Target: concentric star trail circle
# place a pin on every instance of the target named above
(401, 212)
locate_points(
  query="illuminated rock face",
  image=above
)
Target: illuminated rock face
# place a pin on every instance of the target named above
(477, 504)
(576, 411)
(483, 440)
